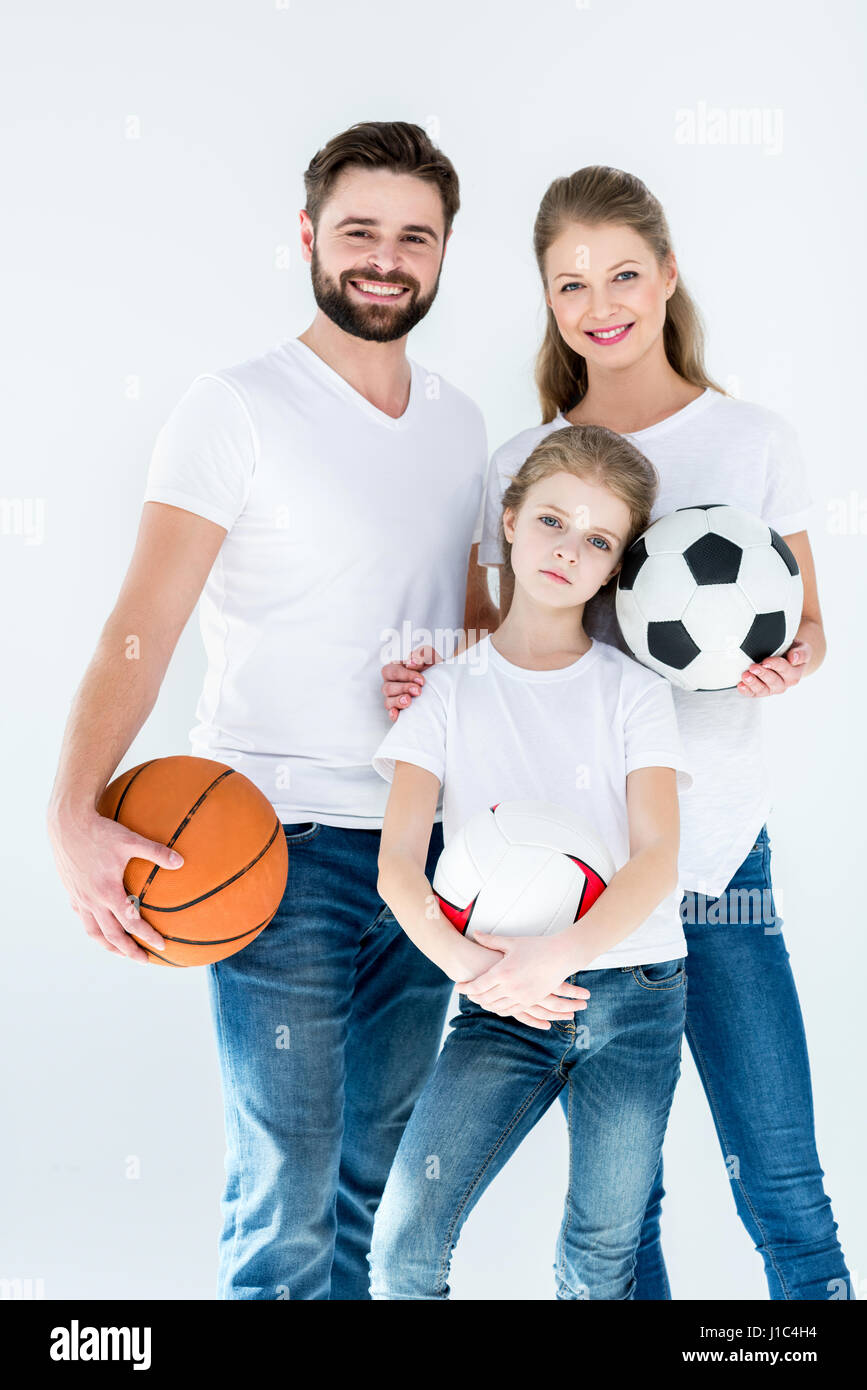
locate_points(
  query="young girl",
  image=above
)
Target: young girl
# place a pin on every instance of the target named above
(538, 710)
(623, 348)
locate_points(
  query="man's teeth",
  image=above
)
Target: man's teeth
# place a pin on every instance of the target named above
(611, 332)
(370, 288)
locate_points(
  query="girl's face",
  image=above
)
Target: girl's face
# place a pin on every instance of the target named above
(567, 539)
(606, 280)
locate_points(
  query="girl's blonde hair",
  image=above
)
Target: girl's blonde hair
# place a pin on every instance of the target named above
(597, 455)
(600, 195)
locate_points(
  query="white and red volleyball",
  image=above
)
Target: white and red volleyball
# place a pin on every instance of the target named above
(521, 868)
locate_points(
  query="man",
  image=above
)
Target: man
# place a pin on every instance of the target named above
(324, 498)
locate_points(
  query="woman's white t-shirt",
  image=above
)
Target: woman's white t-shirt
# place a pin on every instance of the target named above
(715, 449)
(491, 731)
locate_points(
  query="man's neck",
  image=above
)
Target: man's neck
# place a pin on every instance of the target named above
(378, 371)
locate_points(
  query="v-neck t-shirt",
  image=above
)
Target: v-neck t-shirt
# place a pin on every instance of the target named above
(348, 540)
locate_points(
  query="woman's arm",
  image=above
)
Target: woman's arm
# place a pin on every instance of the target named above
(778, 674)
(532, 965)
(402, 884)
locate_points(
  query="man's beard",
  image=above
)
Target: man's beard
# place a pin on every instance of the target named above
(369, 321)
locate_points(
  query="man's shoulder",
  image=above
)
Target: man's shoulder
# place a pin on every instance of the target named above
(436, 387)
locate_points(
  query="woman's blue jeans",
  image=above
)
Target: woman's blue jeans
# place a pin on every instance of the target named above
(746, 1035)
(614, 1064)
(327, 1025)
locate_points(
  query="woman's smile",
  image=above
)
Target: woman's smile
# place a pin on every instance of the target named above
(610, 335)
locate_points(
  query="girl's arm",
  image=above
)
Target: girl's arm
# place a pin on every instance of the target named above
(402, 884)
(532, 965)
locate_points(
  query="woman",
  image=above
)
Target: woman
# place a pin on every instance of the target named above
(623, 349)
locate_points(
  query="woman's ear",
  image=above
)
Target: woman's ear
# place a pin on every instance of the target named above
(509, 524)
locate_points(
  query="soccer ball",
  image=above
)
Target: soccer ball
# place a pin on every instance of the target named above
(521, 868)
(705, 592)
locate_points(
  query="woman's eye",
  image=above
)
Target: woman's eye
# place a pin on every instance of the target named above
(570, 285)
(633, 273)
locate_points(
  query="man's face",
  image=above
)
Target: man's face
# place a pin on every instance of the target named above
(376, 256)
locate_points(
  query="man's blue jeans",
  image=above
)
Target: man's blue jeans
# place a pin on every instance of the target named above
(327, 1027)
(615, 1065)
(746, 1034)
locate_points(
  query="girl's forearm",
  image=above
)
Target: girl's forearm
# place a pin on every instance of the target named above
(406, 890)
(631, 896)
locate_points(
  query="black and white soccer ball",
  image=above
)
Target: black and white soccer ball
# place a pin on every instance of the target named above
(705, 592)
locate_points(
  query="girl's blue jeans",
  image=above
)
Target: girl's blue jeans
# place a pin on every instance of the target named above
(614, 1065)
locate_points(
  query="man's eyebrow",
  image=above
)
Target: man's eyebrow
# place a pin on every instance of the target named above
(372, 222)
(572, 274)
(603, 530)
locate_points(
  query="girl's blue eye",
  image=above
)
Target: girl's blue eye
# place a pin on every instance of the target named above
(549, 518)
(602, 539)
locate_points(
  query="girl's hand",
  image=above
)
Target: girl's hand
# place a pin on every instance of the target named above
(777, 674)
(402, 679)
(529, 976)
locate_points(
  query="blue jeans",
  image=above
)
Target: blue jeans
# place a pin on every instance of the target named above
(327, 1026)
(746, 1034)
(615, 1064)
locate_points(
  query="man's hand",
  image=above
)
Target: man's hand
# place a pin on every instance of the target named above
(91, 853)
(400, 680)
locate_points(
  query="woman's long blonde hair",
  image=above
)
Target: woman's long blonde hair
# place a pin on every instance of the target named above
(597, 195)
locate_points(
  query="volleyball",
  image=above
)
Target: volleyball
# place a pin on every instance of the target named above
(521, 868)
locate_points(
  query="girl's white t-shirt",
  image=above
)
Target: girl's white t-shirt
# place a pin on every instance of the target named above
(349, 536)
(491, 731)
(715, 449)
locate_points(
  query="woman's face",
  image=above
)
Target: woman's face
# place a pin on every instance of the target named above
(567, 539)
(605, 280)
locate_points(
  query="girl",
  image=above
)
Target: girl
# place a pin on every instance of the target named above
(623, 348)
(539, 710)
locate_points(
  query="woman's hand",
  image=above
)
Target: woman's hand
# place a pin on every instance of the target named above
(529, 976)
(776, 674)
(401, 679)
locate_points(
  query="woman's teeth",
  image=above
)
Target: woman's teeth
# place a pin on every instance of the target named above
(605, 335)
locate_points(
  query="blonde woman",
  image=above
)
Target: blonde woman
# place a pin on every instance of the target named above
(623, 349)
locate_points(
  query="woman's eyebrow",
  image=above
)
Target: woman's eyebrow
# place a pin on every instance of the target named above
(570, 274)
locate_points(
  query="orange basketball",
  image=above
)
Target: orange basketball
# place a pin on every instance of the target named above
(235, 858)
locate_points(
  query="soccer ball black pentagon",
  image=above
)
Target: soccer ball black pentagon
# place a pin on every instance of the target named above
(705, 592)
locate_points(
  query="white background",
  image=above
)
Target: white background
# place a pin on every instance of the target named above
(151, 160)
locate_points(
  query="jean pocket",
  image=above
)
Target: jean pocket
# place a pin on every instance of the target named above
(661, 974)
(301, 832)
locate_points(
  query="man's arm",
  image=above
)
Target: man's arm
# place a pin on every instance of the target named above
(480, 612)
(173, 555)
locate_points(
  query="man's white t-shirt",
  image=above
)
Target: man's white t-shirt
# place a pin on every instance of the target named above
(715, 449)
(348, 542)
(491, 731)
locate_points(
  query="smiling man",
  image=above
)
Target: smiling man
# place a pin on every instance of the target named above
(321, 497)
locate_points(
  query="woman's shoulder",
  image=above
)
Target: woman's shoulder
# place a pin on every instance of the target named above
(519, 446)
(751, 417)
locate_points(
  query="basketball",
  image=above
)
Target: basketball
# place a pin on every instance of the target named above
(234, 849)
(521, 868)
